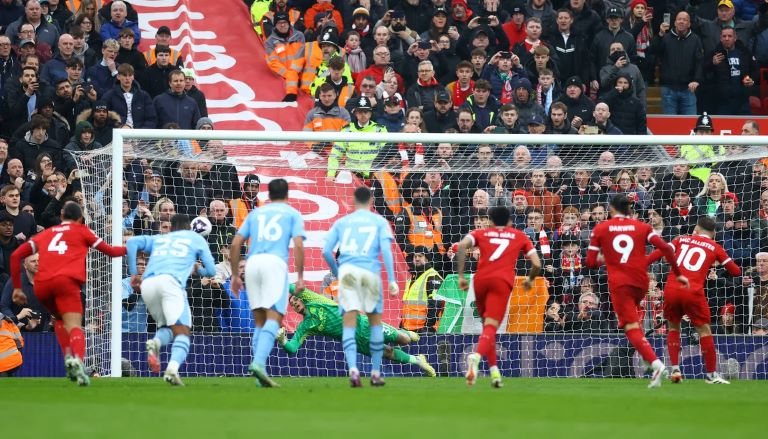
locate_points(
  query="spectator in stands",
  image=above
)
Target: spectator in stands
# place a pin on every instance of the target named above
(566, 270)
(601, 116)
(36, 141)
(546, 92)
(582, 191)
(680, 178)
(420, 223)
(580, 107)
(22, 99)
(524, 49)
(645, 179)
(557, 123)
(134, 310)
(368, 89)
(679, 52)
(626, 184)
(187, 188)
(326, 115)
(442, 116)
(10, 11)
(129, 101)
(163, 38)
(586, 21)
(519, 211)
(570, 229)
(102, 120)
(235, 314)
(118, 22)
(222, 230)
(759, 222)
(284, 48)
(539, 234)
(733, 231)
(8, 243)
(482, 104)
(20, 309)
(527, 107)
(321, 8)
(13, 173)
(515, 27)
(65, 103)
(598, 214)
(618, 63)
(759, 281)
(155, 79)
(54, 68)
(506, 122)
(760, 327)
(464, 122)
(393, 118)
(463, 87)
(554, 319)
(24, 225)
(681, 217)
(571, 48)
(90, 27)
(504, 71)
(74, 69)
(422, 92)
(733, 68)
(419, 52)
(44, 32)
(638, 23)
(175, 106)
(192, 91)
(102, 76)
(627, 113)
(548, 203)
(380, 67)
(421, 309)
(129, 54)
(613, 33)
(83, 139)
(586, 317)
(708, 201)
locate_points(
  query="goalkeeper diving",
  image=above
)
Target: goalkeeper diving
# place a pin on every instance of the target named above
(321, 317)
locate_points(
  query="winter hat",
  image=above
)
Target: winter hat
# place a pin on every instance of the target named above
(82, 126)
(524, 83)
(202, 122)
(637, 2)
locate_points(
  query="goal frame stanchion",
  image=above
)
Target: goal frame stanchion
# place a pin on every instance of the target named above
(123, 137)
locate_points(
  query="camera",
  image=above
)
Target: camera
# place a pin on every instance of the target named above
(483, 20)
(505, 55)
(87, 87)
(34, 315)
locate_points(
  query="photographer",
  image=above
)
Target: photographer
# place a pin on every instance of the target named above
(26, 312)
(72, 99)
(19, 97)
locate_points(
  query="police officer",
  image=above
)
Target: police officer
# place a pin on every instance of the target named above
(358, 157)
(694, 153)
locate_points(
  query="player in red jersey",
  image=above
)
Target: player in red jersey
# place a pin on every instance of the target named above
(500, 247)
(622, 242)
(63, 250)
(695, 255)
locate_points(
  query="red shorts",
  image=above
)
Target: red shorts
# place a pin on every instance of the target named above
(492, 297)
(626, 303)
(60, 296)
(678, 303)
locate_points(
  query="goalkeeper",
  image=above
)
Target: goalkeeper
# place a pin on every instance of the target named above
(321, 317)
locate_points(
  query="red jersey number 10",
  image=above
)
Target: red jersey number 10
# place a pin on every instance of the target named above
(623, 245)
(57, 245)
(687, 253)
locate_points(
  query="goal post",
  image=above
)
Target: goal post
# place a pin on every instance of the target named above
(220, 344)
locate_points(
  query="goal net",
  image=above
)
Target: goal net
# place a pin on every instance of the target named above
(434, 188)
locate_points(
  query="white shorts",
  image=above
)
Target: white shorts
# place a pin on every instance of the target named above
(266, 282)
(360, 290)
(166, 301)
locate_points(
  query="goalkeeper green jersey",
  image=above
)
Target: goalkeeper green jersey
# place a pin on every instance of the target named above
(322, 317)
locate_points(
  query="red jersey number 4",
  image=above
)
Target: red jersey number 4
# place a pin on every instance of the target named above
(57, 245)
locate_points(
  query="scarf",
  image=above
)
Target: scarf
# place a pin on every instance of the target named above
(540, 97)
(432, 83)
(356, 59)
(575, 230)
(418, 157)
(507, 92)
(546, 250)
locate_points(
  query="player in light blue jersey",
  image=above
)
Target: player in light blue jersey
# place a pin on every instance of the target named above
(172, 258)
(271, 229)
(361, 236)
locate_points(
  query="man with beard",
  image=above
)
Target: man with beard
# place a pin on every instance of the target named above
(242, 206)
(421, 311)
(102, 120)
(419, 224)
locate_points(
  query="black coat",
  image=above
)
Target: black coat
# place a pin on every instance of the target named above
(581, 107)
(27, 151)
(627, 112)
(155, 79)
(680, 58)
(142, 107)
(437, 122)
(199, 97)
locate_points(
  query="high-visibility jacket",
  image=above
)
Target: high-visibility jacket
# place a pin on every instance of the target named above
(293, 16)
(424, 231)
(74, 5)
(391, 190)
(240, 210)
(322, 74)
(258, 9)
(358, 156)
(698, 153)
(320, 120)
(313, 58)
(414, 311)
(151, 56)
(11, 343)
(285, 57)
(309, 16)
(332, 290)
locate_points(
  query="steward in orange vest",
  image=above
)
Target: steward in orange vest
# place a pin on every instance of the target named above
(420, 224)
(386, 195)
(11, 343)
(267, 20)
(421, 312)
(285, 54)
(316, 53)
(241, 207)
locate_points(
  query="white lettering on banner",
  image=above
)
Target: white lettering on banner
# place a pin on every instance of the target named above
(207, 57)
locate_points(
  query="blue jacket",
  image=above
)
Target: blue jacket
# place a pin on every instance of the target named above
(54, 70)
(112, 30)
(180, 109)
(142, 107)
(100, 78)
(238, 317)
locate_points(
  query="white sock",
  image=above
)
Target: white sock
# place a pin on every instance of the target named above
(173, 367)
(657, 364)
(494, 369)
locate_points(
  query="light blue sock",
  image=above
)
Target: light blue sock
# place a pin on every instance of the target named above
(377, 348)
(266, 342)
(350, 347)
(180, 348)
(255, 341)
(164, 335)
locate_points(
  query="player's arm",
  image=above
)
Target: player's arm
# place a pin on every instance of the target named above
(461, 257)
(209, 265)
(133, 246)
(726, 261)
(234, 259)
(330, 243)
(667, 250)
(303, 330)
(657, 254)
(385, 244)
(593, 250)
(21, 253)
(533, 256)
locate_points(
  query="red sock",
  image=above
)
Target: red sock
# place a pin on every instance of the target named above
(77, 342)
(709, 353)
(486, 346)
(638, 340)
(62, 336)
(673, 346)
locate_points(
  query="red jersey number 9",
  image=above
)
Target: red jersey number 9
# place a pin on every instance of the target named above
(57, 245)
(623, 245)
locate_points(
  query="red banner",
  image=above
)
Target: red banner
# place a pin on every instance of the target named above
(683, 125)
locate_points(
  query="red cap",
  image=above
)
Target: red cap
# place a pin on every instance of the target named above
(732, 196)
(727, 309)
(637, 2)
(519, 192)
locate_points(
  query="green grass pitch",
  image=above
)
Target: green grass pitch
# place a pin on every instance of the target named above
(142, 408)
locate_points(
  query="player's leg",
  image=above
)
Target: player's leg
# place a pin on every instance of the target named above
(481, 288)
(266, 281)
(495, 306)
(626, 304)
(399, 356)
(350, 302)
(74, 364)
(374, 306)
(673, 311)
(151, 292)
(179, 352)
(697, 309)
(177, 314)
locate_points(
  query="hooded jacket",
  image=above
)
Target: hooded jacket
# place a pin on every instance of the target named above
(526, 110)
(102, 134)
(627, 112)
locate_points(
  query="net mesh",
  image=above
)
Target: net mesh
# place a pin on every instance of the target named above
(434, 194)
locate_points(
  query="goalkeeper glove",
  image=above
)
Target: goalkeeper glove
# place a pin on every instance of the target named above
(282, 337)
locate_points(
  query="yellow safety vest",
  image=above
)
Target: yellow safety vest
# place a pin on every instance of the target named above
(414, 313)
